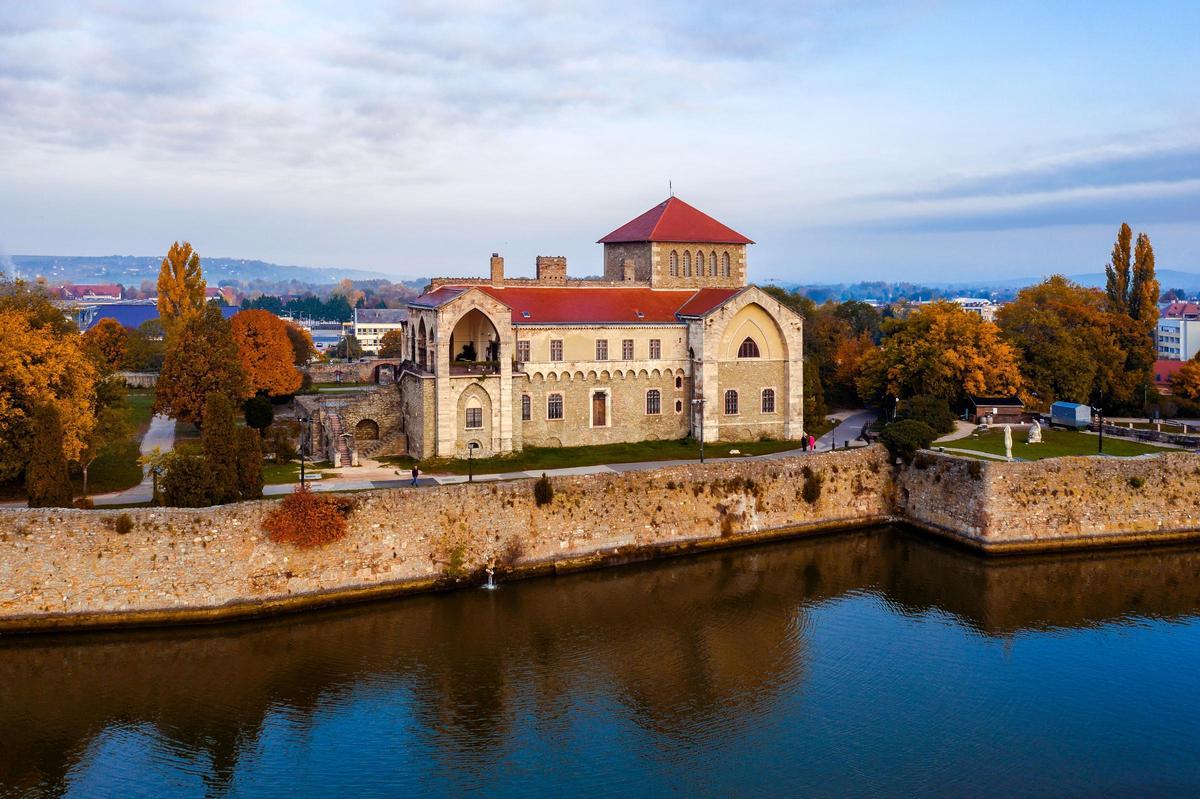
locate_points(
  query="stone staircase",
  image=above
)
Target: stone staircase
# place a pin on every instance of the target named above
(339, 446)
(397, 443)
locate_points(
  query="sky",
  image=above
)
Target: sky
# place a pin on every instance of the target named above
(918, 141)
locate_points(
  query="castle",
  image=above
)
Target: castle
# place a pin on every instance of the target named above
(671, 342)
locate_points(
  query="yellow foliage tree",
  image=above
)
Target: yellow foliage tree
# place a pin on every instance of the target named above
(180, 288)
(942, 351)
(41, 366)
(1186, 382)
(106, 343)
(266, 353)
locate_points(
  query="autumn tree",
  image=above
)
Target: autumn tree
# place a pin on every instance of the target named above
(392, 344)
(201, 360)
(943, 351)
(106, 343)
(180, 288)
(42, 364)
(112, 427)
(303, 349)
(47, 482)
(1186, 382)
(1117, 272)
(266, 353)
(145, 348)
(219, 443)
(1143, 289)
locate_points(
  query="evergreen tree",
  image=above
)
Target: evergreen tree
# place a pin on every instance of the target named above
(258, 413)
(249, 464)
(180, 288)
(1117, 272)
(47, 482)
(1143, 290)
(187, 482)
(219, 443)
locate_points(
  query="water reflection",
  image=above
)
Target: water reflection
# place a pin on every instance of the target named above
(690, 654)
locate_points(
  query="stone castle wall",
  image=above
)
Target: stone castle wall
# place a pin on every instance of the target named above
(65, 566)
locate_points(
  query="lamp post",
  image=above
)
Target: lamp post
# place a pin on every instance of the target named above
(307, 422)
(698, 404)
(1100, 412)
(471, 447)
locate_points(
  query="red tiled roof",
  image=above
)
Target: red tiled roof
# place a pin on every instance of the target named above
(1163, 371)
(543, 305)
(675, 220)
(1181, 310)
(95, 289)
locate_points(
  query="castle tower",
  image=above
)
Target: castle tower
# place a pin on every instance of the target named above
(674, 245)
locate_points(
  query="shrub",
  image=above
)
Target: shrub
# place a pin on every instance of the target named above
(123, 524)
(923, 460)
(975, 468)
(811, 491)
(281, 438)
(514, 550)
(933, 411)
(304, 519)
(258, 413)
(543, 491)
(904, 438)
(1136, 482)
(187, 481)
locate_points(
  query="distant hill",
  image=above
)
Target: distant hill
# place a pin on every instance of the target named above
(131, 270)
(1167, 279)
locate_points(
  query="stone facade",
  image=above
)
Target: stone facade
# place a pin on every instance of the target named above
(684, 277)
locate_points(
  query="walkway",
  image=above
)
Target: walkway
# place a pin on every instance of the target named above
(961, 430)
(851, 425)
(161, 436)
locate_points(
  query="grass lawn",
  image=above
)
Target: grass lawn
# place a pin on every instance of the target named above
(286, 473)
(1055, 444)
(534, 458)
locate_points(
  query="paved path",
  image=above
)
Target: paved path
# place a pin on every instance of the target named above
(961, 430)
(852, 424)
(850, 428)
(161, 436)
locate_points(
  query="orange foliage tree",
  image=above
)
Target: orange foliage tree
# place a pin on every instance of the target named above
(106, 343)
(1186, 382)
(305, 519)
(392, 344)
(180, 288)
(202, 358)
(266, 353)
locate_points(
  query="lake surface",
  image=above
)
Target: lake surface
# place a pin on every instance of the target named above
(876, 663)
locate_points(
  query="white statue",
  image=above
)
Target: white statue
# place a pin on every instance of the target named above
(1035, 433)
(1008, 441)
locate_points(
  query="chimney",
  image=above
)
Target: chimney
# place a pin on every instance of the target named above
(627, 270)
(497, 269)
(551, 269)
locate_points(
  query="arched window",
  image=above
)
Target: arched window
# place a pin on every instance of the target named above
(768, 400)
(678, 406)
(749, 349)
(526, 408)
(653, 402)
(699, 264)
(731, 403)
(554, 406)
(725, 264)
(674, 264)
(687, 264)
(712, 264)
(678, 382)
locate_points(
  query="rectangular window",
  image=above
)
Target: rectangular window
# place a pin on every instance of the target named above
(653, 402)
(526, 408)
(627, 349)
(768, 400)
(655, 348)
(556, 349)
(474, 418)
(554, 406)
(522, 352)
(731, 403)
(601, 349)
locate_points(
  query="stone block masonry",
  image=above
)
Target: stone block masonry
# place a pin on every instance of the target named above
(63, 568)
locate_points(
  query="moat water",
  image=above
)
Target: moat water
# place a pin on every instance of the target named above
(866, 664)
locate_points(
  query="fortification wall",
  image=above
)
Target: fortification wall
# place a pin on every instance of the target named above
(1060, 502)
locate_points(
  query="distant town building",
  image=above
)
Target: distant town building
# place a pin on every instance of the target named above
(325, 335)
(1177, 334)
(976, 305)
(370, 325)
(227, 293)
(1163, 371)
(130, 313)
(91, 293)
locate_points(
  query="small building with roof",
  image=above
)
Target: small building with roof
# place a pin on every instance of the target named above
(371, 324)
(995, 410)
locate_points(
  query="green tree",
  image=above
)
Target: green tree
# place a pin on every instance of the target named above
(815, 408)
(112, 428)
(392, 344)
(1117, 272)
(202, 359)
(904, 438)
(249, 464)
(259, 413)
(187, 482)
(933, 411)
(47, 481)
(145, 348)
(1143, 290)
(180, 288)
(219, 443)
(348, 348)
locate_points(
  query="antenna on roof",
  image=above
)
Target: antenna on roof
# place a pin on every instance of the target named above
(670, 188)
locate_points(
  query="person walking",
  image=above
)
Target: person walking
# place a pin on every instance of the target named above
(812, 442)
(804, 443)
(415, 474)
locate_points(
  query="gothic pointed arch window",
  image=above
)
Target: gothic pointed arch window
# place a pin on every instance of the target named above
(674, 264)
(699, 264)
(725, 271)
(712, 265)
(687, 264)
(748, 349)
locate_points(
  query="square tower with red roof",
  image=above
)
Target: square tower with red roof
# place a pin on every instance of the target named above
(674, 245)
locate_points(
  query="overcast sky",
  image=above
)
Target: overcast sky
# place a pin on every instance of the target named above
(907, 141)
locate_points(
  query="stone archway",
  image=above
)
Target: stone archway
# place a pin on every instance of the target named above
(366, 430)
(385, 374)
